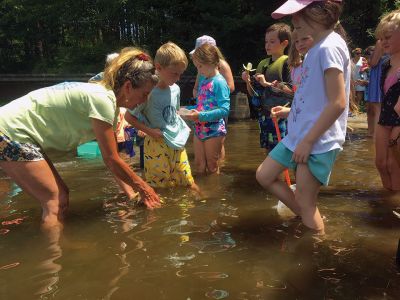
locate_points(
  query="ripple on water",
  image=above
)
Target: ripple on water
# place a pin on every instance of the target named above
(221, 241)
(217, 294)
(184, 227)
(179, 260)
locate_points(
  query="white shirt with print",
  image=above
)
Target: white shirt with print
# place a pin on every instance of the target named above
(310, 98)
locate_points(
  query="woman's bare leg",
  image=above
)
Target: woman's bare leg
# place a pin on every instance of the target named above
(42, 181)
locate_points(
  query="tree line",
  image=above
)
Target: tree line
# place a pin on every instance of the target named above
(67, 36)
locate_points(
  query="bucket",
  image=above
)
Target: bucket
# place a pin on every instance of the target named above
(89, 150)
(239, 107)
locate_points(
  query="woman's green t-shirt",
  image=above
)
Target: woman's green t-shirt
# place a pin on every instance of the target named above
(58, 117)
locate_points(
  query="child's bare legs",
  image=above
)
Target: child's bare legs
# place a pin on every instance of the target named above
(359, 98)
(385, 160)
(373, 111)
(222, 155)
(212, 147)
(268, 174)
(42, 181)
(199, 155)
(307, 189)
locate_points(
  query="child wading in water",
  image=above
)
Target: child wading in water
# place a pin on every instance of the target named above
(211, 109)
(166, 163)
(318, 116)
(272, 74)
(388, 128)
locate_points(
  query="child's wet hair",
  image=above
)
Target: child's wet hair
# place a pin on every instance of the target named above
(170, 54)
(389, 22)
(207, 54)
(132, 64)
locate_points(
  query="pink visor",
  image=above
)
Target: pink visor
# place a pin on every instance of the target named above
(291, 7)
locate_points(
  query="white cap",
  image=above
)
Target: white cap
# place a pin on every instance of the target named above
(204, 39)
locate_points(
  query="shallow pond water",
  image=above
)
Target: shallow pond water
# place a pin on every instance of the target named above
(231, 245)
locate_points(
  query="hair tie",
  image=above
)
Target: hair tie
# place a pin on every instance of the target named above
(143, 56)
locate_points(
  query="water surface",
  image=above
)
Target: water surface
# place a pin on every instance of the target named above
(232, 245)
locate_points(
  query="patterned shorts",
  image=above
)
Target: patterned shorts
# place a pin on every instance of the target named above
(268, 136)
(15, 151)
(164, 166)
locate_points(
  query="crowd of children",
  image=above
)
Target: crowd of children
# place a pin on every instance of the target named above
(305, 81)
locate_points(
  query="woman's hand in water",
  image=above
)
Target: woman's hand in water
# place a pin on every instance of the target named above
(302, 152)
(280, 112)
(193, 115)
(149, 197)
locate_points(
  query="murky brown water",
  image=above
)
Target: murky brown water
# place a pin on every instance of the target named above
(232, 245)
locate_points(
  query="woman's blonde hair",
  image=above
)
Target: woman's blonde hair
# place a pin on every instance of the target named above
(208, 54)
(294, 58)
(132, 64)
(390, 21)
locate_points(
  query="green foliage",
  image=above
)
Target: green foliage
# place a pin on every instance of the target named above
(66, 36)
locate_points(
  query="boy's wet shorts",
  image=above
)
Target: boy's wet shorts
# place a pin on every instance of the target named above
(268, 136)
(15, 151)
(320, 165)
(165, 166)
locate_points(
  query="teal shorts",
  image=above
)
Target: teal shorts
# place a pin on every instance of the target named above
(320, 165)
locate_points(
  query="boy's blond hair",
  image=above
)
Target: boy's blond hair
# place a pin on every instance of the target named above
(390, 21)
(170, 54)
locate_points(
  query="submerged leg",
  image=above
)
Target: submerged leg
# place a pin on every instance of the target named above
(212, 148)
(42, 181)
(307, 189)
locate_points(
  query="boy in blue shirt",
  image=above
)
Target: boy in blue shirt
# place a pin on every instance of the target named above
(166, 162)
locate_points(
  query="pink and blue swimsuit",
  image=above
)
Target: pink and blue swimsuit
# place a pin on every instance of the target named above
(213, 104)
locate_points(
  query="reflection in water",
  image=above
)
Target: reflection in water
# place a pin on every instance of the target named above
(221, 241)
(130, 217)
(48, 269)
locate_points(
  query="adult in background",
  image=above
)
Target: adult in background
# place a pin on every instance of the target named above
(359, 75)
(61, 117)
(376, 59)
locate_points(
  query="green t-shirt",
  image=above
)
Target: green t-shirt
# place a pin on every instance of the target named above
(58, 117)
(160, 111)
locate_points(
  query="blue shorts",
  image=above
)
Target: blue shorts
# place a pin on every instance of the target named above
(320, 165)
